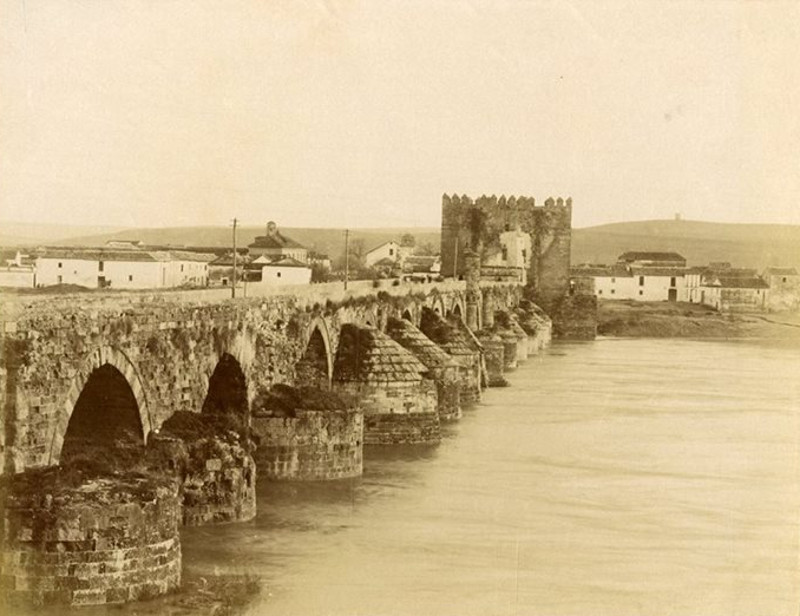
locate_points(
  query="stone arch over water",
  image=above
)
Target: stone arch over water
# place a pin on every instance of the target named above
(106, 400)
(227, 389)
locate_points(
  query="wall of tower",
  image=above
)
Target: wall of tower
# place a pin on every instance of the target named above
(469, 224)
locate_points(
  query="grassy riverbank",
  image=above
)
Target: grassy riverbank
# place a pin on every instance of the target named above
(683, 320)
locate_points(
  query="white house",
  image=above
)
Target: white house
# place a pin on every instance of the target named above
(285, 271)
(122, 269)
(388, 250)
(656, 284)
(643, 284)
(735, 293)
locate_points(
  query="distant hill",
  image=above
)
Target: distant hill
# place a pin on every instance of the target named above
(30, 234)
(327, 241)
(744, 245)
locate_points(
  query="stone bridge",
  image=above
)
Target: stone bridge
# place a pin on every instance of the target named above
(149, 354)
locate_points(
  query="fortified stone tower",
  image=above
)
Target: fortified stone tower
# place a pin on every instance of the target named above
(476, 225)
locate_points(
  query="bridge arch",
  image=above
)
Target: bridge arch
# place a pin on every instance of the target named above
(457, 308)
(436, 303)
(315, 367)
(228, 391)
(109, 363)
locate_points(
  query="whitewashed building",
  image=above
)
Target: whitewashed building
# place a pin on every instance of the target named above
(122, 269)
(643, 284)
(735, 293)
(388, 250)
(284, 272)
(656, 284)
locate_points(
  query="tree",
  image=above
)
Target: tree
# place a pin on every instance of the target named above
(408, 240)
(426, 249)
(357, 257)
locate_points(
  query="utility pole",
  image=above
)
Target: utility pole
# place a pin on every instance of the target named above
(233, 288)
(346, 256)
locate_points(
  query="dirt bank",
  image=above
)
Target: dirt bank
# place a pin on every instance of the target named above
(683, 320)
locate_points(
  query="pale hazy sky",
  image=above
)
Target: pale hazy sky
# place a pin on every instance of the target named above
(327, 113)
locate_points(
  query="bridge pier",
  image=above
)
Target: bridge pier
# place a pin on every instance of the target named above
(307, 434)
(443, 369)
(90, 542)
(399, 403)
(461, 347)
(493, 352)
(213, 468)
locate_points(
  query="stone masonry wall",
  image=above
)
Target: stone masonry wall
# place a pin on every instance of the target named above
(397, 413)
(312, 446)
(217, 478)
(106, 541)
(166, 345)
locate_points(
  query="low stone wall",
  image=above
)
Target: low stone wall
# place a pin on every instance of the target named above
(400, 429)
(402, 412)
(217, 477)
(103, 541)
(312, 446)
(575, 317)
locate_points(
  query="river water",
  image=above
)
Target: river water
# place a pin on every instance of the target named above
(616, 477)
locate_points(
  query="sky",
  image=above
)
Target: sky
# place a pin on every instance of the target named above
(361, 114)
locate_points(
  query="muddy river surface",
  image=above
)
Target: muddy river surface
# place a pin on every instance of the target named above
(617, 477)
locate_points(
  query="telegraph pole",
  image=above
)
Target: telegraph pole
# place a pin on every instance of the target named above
(233, 288)
(346, 256)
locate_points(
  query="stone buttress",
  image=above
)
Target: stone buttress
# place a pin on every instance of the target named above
(443, 369)
(212, 465)
(398, 401)
(461, 347)
(317, 436)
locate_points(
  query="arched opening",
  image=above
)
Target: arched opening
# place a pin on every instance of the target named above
(313, 368)
(227, 389)
(104, 422)
(407, 316)
(456, 312)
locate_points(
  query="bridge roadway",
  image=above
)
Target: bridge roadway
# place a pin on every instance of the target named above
(169, 345)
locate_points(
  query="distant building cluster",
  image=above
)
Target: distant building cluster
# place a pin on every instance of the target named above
(271, 259)
(665, 276)
(117, 266)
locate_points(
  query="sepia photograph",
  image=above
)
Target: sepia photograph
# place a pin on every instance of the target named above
(400, 307)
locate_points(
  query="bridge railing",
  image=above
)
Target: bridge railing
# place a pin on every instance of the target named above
(334, 291)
